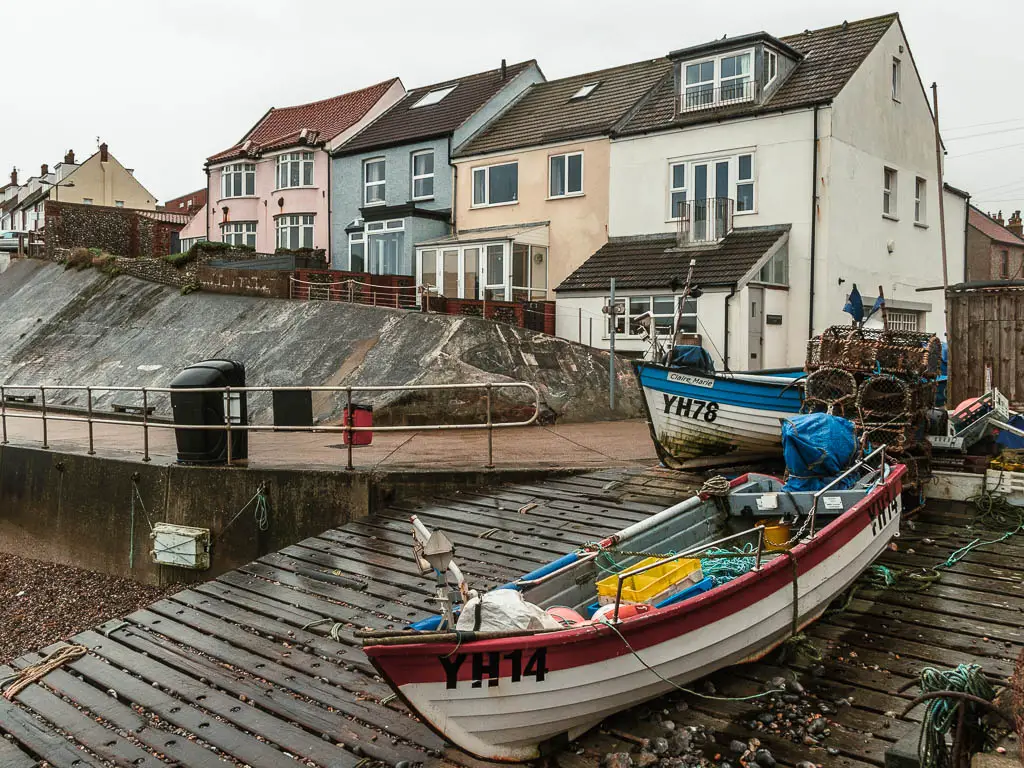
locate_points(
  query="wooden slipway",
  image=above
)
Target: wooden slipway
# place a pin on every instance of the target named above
(243, 670)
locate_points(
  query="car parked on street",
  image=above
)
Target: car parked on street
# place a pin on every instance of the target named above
(9, 240)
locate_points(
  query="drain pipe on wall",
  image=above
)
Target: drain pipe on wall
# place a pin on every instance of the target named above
(725, 343)
(814, 222)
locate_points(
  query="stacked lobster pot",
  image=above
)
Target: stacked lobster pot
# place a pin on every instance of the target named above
(884, 382)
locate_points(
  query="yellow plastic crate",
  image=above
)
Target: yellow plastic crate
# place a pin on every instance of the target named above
(644, 587)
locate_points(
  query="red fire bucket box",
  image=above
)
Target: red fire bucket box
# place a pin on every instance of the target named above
(362, 416)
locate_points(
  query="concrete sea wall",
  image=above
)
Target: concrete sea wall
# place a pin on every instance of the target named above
(64, 326)
(78, 510)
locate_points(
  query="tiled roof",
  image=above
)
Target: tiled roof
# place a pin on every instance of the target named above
(830, 57)
(991, 228)
(653, 261)
(322, 120)
(404, 123)
(548, 113)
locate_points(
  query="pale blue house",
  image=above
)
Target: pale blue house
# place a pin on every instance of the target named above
(391, 183)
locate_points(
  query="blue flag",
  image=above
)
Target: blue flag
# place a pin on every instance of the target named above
(879, 303)
(855, 306)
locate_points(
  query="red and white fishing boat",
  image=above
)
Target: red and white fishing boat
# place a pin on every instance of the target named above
(513, 696)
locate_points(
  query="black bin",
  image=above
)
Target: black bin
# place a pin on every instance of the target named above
(209, 446)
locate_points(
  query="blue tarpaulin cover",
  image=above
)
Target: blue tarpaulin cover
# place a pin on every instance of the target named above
(693, 357)
(1009, 440)
(818, 448)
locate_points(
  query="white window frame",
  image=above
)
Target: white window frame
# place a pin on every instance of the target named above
(771, 66)
(904, 319)
(674, 190)
(585, 91)
(436, 96)
(119, 203)
(282, 171)
(750, 180)
(238, 233)
(355, 238)
(422, 176)
(691, 162)
(890, 193)
(486, 171)
(625, 321)
(486, 281)
(382, 183)
(769, 272)
(283, 225)
(920, 202)
(715, 81)
(247, 171)
(564, 158)
(897, 79)
(383, 227)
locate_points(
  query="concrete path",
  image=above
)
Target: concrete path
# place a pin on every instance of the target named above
(597, 444)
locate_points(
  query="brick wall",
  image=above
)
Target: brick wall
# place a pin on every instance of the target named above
(272, 284)
(536, 315)
(120, 231)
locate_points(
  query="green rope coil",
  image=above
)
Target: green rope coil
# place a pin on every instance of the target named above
(941, 714)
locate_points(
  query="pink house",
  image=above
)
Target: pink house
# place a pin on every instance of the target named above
(271, 189)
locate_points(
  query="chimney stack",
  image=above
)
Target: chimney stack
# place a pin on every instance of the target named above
(69, 158)
(997, 218)
(1015, 225)
(44, 169)
(504, 69)
(14, 176)
(104, 157)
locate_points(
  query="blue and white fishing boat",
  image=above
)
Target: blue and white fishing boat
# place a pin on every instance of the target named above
(695, 412)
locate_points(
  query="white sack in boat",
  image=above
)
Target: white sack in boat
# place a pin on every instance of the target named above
(503, 610)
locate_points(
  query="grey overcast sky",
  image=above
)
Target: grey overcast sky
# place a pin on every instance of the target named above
(166, 84)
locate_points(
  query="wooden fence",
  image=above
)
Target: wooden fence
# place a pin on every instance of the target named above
(986, 342)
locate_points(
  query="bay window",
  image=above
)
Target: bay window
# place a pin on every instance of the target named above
(295, 231)
(490, 271)
(238, 180)
(373, 181)
(295, 169)
(239, 233)
(565, 175)
(423, 175)
(385, 248)
(496, 184)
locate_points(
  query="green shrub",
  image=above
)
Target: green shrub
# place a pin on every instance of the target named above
(179, 260)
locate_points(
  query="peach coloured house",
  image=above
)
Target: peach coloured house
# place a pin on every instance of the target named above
(270, 190)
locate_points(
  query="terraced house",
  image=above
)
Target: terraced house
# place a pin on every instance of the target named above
(787, 169)
(392, 182)
(270, 190)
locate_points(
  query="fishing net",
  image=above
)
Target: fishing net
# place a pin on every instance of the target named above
(831, 384)
(847, 407)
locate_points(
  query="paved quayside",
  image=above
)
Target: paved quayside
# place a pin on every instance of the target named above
(244, 668)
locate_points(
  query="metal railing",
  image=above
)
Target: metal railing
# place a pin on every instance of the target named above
(701, 97)
(355, 292)
(146, 423)
(705, 220)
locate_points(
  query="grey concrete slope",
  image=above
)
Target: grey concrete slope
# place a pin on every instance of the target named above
(68, 327)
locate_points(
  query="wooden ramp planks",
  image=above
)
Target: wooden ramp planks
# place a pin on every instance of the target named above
(246, 670)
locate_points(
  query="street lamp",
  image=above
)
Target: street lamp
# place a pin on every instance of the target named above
(58, 185)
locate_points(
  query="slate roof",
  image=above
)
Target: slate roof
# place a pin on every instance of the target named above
(403, 123)
(830, 57)
(323, 120)
(547, 113)
(991, 228)
(652, 261)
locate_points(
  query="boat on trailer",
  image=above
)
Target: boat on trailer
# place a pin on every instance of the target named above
(513, 695)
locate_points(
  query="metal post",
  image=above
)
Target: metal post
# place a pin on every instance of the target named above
(348, 424)
(611, 357)
(579, 318)
(145, 426)
(42, 397)
(591, 332)
(227, 420)
(88, 417)
(760, 547)
(3, 413)
(490, 431)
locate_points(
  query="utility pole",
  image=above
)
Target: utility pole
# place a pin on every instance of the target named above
(938, 166)
(612, 310)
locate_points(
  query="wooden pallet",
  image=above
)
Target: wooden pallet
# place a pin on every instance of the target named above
(243, 669)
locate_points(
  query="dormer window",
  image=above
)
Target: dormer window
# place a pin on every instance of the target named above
(771, 66)
(585, 91)
(720, 80)
(434, 96)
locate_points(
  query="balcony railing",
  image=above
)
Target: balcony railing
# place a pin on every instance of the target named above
(700, 97)
(704, 221)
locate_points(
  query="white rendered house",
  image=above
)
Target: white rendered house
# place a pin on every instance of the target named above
(789, 169)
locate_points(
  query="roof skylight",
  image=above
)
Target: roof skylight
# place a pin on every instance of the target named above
(585, 91)
(434, 96)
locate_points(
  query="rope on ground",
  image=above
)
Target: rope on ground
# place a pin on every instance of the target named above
(41, 669)
(678, 687)
(995, 510)
(941, 713)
